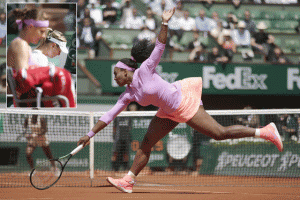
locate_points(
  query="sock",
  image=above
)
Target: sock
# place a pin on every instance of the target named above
(132, 175)
(257, 133)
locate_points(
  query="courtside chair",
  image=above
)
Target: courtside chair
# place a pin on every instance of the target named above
(39, 91)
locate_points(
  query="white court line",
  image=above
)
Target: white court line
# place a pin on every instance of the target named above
(189, 191)
(208, 192)
(40, 198)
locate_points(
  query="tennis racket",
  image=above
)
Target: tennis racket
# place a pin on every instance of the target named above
(47, 173)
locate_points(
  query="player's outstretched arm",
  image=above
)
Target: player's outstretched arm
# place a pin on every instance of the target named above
(98, 127)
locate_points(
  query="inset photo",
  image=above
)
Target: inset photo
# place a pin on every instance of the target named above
(41, 55)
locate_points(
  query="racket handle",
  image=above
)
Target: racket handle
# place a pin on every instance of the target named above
(76, 150)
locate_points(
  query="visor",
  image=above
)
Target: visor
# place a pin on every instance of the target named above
(62, 45)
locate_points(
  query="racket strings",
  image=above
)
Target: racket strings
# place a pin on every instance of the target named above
(45, 174)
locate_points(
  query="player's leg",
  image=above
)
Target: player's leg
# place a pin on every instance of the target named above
(47, 151)
(29, 151)
(158, 128)
(204, 123)
(44, 143)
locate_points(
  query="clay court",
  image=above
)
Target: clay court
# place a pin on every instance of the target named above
(153, 187)
(166, 193)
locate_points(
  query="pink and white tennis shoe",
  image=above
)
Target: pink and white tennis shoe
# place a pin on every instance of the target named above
(124, 184)
(271, 133)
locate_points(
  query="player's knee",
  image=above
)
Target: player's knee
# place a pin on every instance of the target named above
(220, 134)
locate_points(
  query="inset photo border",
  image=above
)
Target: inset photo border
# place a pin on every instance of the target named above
(41, 67)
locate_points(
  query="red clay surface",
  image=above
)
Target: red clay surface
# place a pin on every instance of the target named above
(157, 193)
(157, 186)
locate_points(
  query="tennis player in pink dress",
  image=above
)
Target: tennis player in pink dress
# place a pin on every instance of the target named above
(178, 102)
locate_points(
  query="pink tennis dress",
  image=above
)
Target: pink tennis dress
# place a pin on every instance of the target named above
(191, 89)
(178, 101)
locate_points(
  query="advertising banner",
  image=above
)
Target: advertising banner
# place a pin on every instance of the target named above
(231, 80)
(253, 159)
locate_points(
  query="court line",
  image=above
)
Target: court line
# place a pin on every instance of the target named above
(40, 198)
(210, 192)
(187, 191)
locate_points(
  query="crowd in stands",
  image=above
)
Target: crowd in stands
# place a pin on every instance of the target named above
(232, 35)
(2, 27)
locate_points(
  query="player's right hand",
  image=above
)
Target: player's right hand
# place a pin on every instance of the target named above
(85, 140)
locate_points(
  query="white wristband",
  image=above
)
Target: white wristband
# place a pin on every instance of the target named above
(164, 23)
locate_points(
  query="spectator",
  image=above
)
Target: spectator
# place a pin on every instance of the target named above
(115, 4)
(197, 41)
(3, 78)
(81, 5)
(134, 22)
(289, 126)
(249, 120)
(203, 23)
(250, 24)
(175, 27)
(109, 13)
(87, 14)
(261, 41)
(197, 55)
(173, 42)
(217, 31)
(96, 14)
(186, 22)
(214, 20)
(70, 18)
(228, 42)
(297, 28)
(89, 37)
(126, 12)
(150, 21)
(231, 21)
(228, 45)
(146, 34)
(241, 36)
(207, 3)
(236, 4)
(216, 57)
(242, 39)
(277, 57)
(2, 28)
(179, 10)
(158, 6)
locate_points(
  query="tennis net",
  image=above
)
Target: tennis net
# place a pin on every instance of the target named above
(183, 157)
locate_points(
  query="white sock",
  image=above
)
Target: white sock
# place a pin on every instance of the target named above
(132, 175)
(257, 133)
